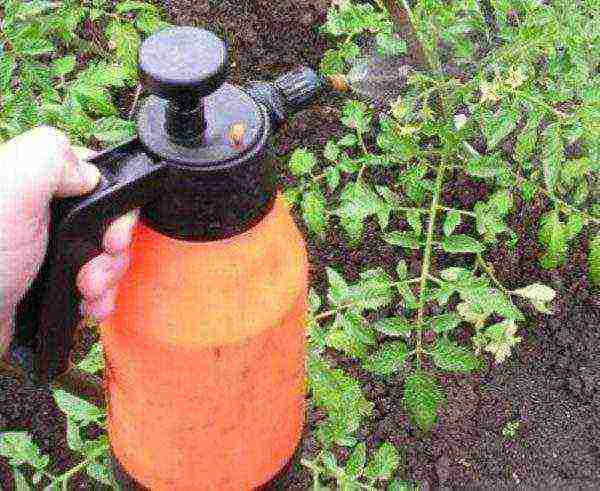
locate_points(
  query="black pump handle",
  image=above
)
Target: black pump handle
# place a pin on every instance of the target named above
(130, 179)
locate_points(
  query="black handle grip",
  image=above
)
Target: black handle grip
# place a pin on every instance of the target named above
(50, 310)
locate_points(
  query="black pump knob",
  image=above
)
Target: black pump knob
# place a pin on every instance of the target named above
(183, 64)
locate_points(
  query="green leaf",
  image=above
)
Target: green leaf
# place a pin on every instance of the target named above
(401, 485)
(348, 50)
(414, 220)
(373, 291)
(314, 300)
(74, 440)
(125, 40)
(302, 162)
(410, 301)
(501, 202)
(486, 166)
(102, 74)
(390, 44)
(95, 99)
(462, 243)
(387, 359)
(552, 155)
(331, 151)
(314, 210)
(356, 462)
(575, 222)
(332, 176)
(450, 356)
(79, 410)
(394, 326)
(444, 322)
(19, 448)
(574, 170)
(539, 295)
(526, 139)
(100, 471)
(554, 235)
(339, 290)
(348, 140)
(332, 63)
(7, 67)
(134, 6)
(528, 190)
(21, 483)
(329, 461)
(356, 328)
(355, 115)
(34, 47)
(451, 222)
(581, 192)
(63, 66)
(113, 130)
(402, 269)
(94, 360)
(292, 195)
(403, 239)
(344, 342)
(594, 260)
(422, 398)
(150, 22)
(384, 463)
(497, 126)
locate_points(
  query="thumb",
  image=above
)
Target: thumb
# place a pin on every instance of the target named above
(38, 165)
(78, 177)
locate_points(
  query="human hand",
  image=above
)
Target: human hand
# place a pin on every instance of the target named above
(35, 167)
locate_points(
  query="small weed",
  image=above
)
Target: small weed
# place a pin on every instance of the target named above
(23, 454)
(510, 429)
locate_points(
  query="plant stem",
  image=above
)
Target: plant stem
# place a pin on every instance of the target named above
(401, 17)
(427, 255)
(490, 272)
(462, 212)
(64, 478)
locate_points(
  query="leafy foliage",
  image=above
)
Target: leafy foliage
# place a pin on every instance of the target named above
(42, 82)
(20, 449)
(357, 473)
(510, 100)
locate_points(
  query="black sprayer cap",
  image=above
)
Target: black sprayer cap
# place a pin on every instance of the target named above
(212, 134)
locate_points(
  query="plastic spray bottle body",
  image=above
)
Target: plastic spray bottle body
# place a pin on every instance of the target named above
(205, 382)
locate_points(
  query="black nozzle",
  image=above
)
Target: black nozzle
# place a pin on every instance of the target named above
(299, 87)
(288, 94)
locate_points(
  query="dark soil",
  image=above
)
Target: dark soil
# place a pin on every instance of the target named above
(550, 385)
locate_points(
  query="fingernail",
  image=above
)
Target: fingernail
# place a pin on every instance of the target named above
(90, 173)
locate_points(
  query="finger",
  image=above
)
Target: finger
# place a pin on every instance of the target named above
(83, 153)
(100, 274)
(79, 176)
(100, 308)
(118, 235)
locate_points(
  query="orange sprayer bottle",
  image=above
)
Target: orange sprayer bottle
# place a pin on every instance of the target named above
(204, 379)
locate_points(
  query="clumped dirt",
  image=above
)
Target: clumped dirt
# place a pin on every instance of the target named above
(551, 385)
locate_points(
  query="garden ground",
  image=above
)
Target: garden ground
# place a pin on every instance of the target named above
(551, 385)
